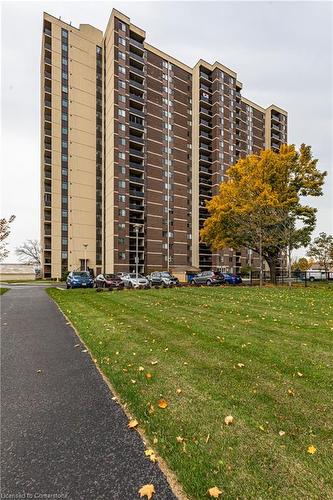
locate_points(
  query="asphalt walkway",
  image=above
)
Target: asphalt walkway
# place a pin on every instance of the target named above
(62, 434)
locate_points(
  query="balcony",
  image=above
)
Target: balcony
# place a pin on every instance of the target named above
(205, 147)
(137, 85)
(205, 112)
(206, 135)
(135, 138)
(275, 118)
(135, 43)
(136, 166)
(136, 97)
(136, 71)
(136, 152)
(136, 194)
(205, 123)
(204, 170)
(275, 136)
(136, 206)
(136, 111)
(207, 159)
(136, 180)
(136, 57)
(205, 77)
(136, 125)
(205, 88)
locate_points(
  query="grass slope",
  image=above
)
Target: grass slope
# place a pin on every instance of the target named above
(198, 337)
(3, 290)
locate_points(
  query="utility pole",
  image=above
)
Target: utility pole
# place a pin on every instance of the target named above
(136, 228)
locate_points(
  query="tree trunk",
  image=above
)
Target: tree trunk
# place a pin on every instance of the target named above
(289, 266)
(272, 263)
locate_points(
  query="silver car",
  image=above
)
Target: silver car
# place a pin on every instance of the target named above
(130, 281)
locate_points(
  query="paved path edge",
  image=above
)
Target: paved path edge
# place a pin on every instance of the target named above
(170, 476)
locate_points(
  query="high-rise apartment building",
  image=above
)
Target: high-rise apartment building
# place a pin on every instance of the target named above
(133, 140)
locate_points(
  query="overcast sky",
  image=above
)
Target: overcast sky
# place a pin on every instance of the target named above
(281, 52)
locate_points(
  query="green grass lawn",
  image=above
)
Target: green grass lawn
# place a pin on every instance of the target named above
(3, 290)
(197, 340)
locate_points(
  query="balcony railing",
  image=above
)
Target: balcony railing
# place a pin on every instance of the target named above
(136, 166)
(136, 180)
(136, 43)
(136, 152)
(136, 111)
(136, 57)
(136, 125)
(136, 84)
(136, 97)
(136, 194)
(134, 138)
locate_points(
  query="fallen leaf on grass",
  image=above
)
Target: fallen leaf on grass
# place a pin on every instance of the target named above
(291, 392)
(214, 492)
(178, 391)
(147, 491)
(179, 439)
(154, 362)
(148, 375)
(141, 368)
(84, 350)
(149, 452)
(39, 371)
(300, 374)
(312, 449)
(163, 403)
(240, 365)
(77, 345)
(281, 433)
(132, 424)
(229, 420)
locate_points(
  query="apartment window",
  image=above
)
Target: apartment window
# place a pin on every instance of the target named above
(64, 47)
(121, 70)
(168, 126)
(122, 170)
(122, 26)
(122, 55)
(121, 40)
(121, 98)
(167, 150)
(122, 127)
(122, 184)
(121, 241)
(121, 112)
(121, 156)
(121, 84)
(167, 162)
(122, 141)
(122, 255)
(166, 65)
(167, 114)
(121, 225)
(122, 212)
(122, 198)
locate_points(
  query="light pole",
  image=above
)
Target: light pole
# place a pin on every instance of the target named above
(85, 256)
(136, 228)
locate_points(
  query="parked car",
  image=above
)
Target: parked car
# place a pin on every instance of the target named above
(79, 279)
(111, 281)
(163, 278)
(130, 281)
(208, 278)
(231, 279)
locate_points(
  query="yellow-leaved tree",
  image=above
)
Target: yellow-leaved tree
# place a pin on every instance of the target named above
(260, 204)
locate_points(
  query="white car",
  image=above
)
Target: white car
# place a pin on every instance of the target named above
(130, 281)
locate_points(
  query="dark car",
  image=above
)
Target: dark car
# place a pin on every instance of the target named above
(110, 281)
(207, 278)
(231, 279)
(163, 278)
(79, 279)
